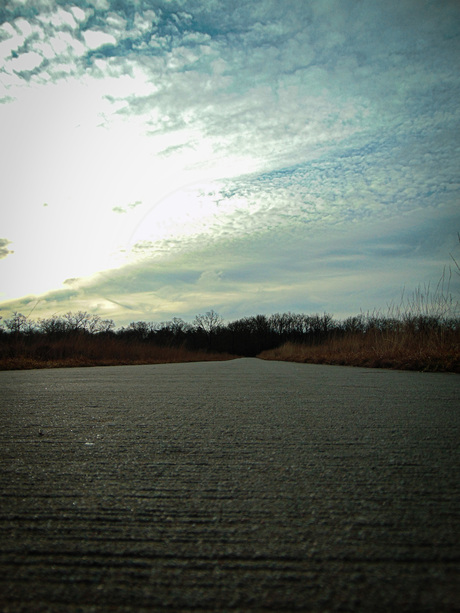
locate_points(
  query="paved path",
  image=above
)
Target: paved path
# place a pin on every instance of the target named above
(229, 486)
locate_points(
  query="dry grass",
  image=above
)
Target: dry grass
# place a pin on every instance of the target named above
(421, 333)
(94, 351)
(434, 351)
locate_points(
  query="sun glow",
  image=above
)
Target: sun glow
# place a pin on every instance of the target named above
(86, 169)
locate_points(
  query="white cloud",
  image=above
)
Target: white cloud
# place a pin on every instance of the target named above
(25, 62)
(11, 41)
(63, 18)
(64, 44)
(96, 38)
(47, 50)
(7, 30)
(23, 27)
(78, 13)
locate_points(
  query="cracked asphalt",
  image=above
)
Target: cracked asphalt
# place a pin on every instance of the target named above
(229, 486)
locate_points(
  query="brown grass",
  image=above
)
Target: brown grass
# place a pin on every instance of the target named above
(434, 352)
(94, 351)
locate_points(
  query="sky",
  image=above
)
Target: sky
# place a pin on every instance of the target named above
(161, 158)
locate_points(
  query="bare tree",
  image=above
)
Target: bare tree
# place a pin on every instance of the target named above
(139, 329)
(52, 325)
(77, 322)
(209, 322)
(85, 322)
(106, 325)
(17, 324)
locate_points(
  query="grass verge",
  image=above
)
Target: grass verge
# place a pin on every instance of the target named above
(90, 351)
(395, 351)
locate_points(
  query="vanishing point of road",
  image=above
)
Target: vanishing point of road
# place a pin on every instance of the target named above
(229, 486)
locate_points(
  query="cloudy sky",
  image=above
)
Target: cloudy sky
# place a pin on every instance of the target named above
(160, 158)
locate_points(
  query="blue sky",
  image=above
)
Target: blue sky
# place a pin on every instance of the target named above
(161, 158)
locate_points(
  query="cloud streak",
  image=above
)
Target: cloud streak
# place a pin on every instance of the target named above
(4, 251)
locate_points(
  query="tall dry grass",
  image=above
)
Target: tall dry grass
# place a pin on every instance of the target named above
(403, 347)
(422, 333)
(94, 350)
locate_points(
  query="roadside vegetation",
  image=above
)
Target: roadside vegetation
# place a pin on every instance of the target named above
(82, 339)
(421, 333)
(405, 340)
(416, 343)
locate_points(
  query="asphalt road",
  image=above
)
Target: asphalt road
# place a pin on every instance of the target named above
(229, 486)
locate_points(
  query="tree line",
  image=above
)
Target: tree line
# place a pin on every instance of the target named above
(247, 336)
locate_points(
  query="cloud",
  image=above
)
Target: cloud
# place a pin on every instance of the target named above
(4, 251)
(95, 39)
(272, 270)
(133, 205)
(41, 46)
(130, 206)
(26, 62)
(232, 137)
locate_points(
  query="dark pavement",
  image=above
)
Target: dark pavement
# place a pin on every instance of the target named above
(229, 486)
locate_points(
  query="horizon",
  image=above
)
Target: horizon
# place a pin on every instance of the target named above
(165, 158)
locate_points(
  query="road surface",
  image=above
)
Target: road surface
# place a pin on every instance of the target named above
(229, 486)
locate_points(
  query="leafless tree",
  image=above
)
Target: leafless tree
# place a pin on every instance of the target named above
(18, 324)
(85, 322)
(209, 322)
